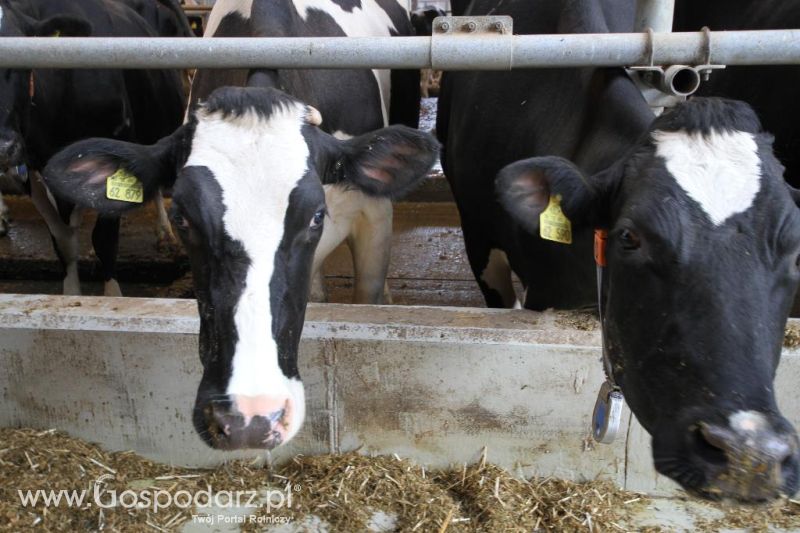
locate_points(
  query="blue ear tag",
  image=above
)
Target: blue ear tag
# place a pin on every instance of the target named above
(607, 414)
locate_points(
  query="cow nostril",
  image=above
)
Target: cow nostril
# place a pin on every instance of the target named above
(787, 462)
(708, 447)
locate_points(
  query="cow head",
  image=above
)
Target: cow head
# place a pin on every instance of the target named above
(17, 85)
(249, 204)
(702, 269)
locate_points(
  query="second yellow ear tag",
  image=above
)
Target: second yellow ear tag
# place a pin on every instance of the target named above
(125, 187)
(553, 224)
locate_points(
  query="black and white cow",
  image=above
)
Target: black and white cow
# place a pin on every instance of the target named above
(350, 101)
(259, 186)
(702, 257)
(41, 111)
(250, 209)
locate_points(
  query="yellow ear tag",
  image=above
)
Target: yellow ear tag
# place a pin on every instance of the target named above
(125, 187)
(553, 224)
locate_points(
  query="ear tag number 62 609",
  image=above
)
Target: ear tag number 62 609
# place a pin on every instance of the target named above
(607, 414)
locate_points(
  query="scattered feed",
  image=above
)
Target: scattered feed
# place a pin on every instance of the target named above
(348, 492)
(581, 319)
(784, 514)
(791, 337)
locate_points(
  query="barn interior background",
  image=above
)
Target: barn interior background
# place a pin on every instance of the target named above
(132, 397)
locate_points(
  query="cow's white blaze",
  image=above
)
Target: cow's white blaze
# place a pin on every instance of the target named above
(721, 171)
(257, 163)
(370, 20)
(747, 421)
(222, 8)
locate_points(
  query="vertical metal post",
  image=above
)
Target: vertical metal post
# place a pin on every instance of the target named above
(656, 14)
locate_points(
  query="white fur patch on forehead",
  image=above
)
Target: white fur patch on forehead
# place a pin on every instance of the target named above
(721, 171)
(257, 162)
(747, 421)
(223, 8)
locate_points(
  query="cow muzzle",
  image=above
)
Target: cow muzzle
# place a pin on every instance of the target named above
(748, 459)
(261, 422)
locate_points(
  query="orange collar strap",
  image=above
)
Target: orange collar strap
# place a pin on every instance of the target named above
(600, 240)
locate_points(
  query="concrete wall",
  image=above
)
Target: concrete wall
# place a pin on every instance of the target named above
(434, 384)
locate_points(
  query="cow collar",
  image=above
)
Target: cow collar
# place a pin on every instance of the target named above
(608, 407)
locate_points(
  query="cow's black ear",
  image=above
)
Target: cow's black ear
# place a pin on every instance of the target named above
(388, 162)
(524, 189)
(61, 26)
(112, 176)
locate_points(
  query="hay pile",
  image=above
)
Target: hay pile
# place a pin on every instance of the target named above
(32, 460)
(349, 492)
(346, 491)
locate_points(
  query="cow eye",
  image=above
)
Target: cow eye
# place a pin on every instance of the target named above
(179, 221)
(629, 240)
(317, 219)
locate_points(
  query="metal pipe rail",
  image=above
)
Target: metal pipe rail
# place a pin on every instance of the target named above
(501, 52)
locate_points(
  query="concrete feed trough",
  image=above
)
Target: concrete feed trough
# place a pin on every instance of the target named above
(432, 384)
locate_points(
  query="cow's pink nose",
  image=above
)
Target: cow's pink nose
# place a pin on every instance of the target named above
(275, 408)
(251, 422)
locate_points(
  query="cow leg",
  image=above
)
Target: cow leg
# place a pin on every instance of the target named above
(105, 240)
(496, 276)
(3, 217)
(337, 227)
(370, 243)
(318, 292)
(166, 239)
(491, 269)
(63, 228)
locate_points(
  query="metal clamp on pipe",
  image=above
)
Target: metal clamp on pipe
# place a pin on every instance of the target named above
(490, 40)
(677, 80)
